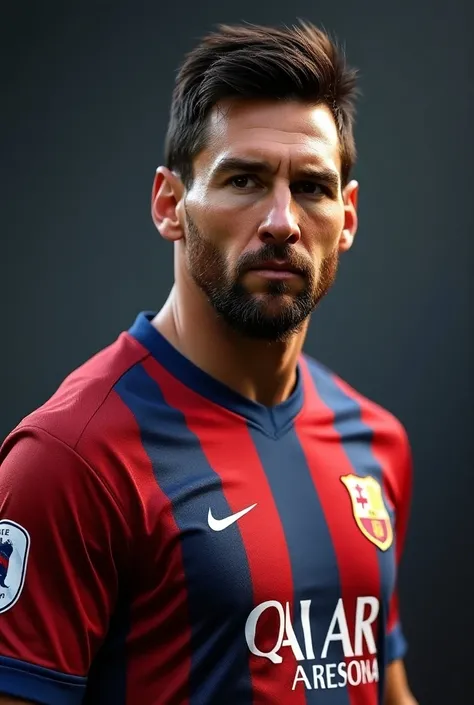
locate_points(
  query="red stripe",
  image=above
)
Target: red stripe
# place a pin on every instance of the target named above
(3, 561)
(158, 666)
(391, 449)
(228, 446)
(327, 461)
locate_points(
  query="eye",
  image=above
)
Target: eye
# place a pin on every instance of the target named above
(310, 188)
(242, 181)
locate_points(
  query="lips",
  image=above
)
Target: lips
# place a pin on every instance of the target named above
(276, 266)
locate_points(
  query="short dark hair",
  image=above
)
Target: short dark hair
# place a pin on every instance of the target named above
(252, 61)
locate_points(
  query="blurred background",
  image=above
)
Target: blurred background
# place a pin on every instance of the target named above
(86, 90)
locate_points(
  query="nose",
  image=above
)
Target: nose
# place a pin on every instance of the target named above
(280, 225)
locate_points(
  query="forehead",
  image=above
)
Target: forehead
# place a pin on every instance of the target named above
(282, 132)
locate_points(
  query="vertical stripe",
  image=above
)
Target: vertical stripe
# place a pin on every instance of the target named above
(313, 561)
(328, 462)
(230, 451)
(107, 679)
(219, 670)
(391, 451)
(158, 667)
(356, 439)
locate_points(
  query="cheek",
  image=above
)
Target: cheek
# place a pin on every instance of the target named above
(224, 235)
(324, 226)
(231, 233)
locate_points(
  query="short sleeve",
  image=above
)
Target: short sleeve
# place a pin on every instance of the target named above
(401, 484)
(62, 540)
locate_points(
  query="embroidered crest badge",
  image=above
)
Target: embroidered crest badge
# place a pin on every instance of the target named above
(369, 509)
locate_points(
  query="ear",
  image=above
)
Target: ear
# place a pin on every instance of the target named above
(350, 196)
(166, 196)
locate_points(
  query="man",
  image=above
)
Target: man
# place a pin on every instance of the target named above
(201, 514)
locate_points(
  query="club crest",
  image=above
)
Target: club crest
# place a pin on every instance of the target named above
(369, 509)
(14, 547)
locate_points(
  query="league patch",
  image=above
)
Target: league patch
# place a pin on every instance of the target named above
(369, 509)
(14, 548)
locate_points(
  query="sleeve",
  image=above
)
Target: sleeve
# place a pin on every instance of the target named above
(402, 483)
(62, 538)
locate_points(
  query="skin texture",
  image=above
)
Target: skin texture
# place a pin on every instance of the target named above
(397, 690)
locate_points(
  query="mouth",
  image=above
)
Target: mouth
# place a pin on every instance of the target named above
(276, 269)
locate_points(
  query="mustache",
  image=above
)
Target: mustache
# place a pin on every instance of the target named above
(283, 253)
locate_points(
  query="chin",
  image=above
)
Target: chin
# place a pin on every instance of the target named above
(272, 334)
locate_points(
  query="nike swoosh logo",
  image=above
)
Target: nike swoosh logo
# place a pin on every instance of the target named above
(221, 524)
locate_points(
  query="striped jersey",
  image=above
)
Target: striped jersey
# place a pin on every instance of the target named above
(166, 541)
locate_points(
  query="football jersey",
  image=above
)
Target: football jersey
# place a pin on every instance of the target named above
(166, 541)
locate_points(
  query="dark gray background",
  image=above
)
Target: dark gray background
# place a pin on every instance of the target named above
(85, 96)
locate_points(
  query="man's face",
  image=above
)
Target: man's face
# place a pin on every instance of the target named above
(265, 218)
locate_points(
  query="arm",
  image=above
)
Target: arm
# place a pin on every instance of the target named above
(64, 539)
(397, 690)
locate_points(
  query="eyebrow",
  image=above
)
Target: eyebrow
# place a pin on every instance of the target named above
(258, 166)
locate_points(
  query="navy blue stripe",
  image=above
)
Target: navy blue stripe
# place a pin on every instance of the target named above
(217, 573)
(40, 685)
(107, 681)
(357, 440)
(313, 559)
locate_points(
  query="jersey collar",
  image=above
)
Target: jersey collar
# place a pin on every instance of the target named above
(273, 420)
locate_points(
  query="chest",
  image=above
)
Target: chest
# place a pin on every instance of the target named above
(247, 520)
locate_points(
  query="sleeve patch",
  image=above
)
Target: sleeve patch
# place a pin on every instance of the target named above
(14, 549)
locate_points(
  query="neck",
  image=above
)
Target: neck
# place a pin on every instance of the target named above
(262, 371)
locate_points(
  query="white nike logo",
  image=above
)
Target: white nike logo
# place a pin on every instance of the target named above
(220, 524)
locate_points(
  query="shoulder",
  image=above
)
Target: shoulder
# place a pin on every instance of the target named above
(81, 424)
(80, 397)
(362, 417)
(337, 392)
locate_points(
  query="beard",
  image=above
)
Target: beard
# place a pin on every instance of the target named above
(272, 316)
